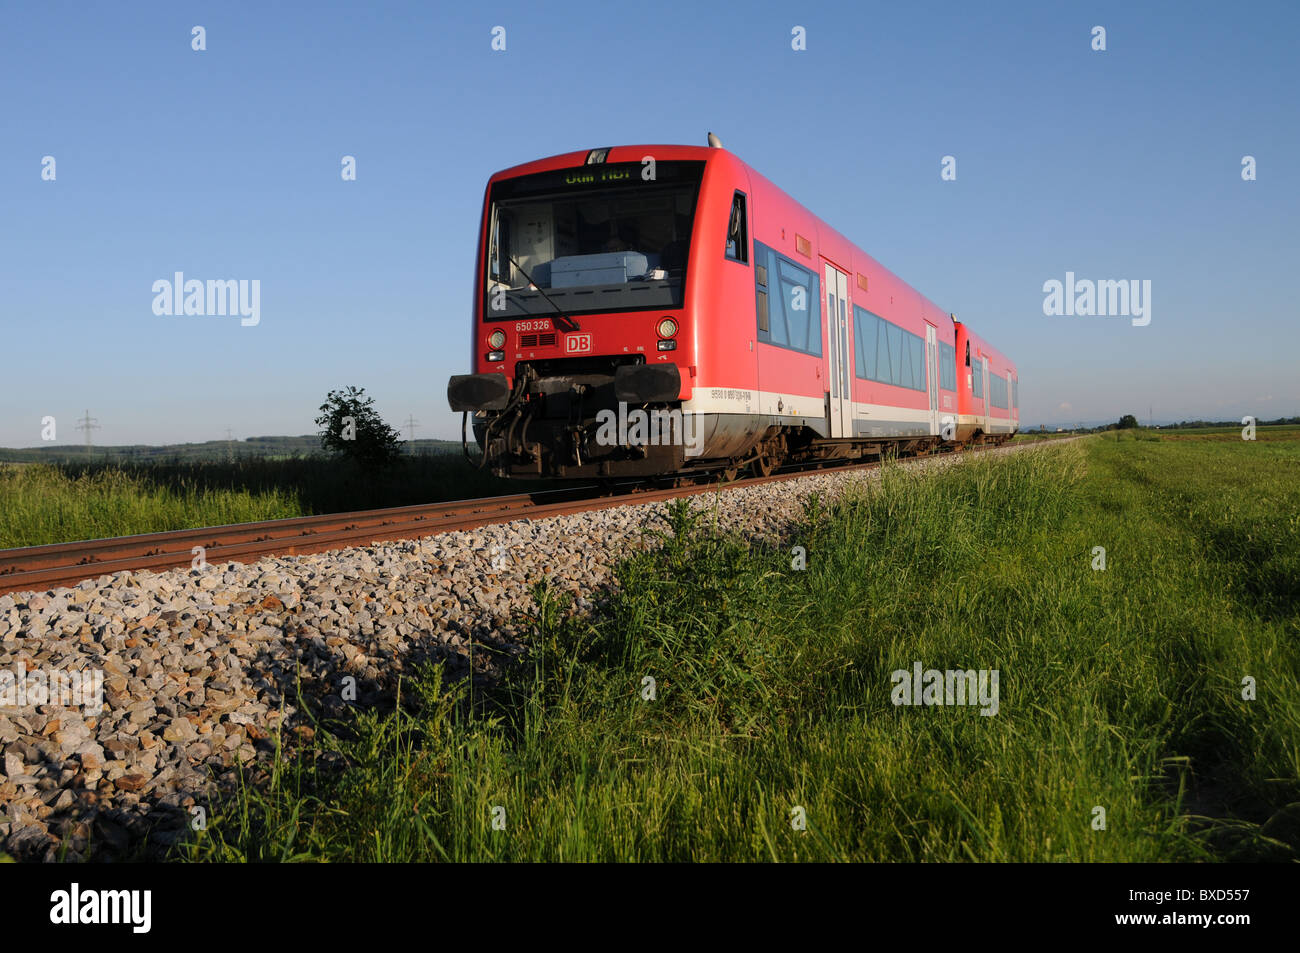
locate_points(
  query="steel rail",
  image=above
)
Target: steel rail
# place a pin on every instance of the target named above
(68, 564)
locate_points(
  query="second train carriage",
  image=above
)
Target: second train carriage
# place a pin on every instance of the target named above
(646, 310)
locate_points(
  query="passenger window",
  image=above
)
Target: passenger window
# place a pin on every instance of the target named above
(786, 297)
(737, 231)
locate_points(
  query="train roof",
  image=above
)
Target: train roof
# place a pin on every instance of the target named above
(569, 160)
(983, 346)
(826, 231)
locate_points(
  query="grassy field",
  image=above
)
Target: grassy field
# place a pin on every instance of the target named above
(210, 451)
(772, 735)
(54, 503)
(1284, 432)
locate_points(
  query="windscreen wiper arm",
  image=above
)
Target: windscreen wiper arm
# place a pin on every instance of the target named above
(569, 324)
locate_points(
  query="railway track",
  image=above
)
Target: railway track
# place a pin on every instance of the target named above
(67, 564)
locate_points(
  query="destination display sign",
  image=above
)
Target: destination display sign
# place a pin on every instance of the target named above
(593, 177)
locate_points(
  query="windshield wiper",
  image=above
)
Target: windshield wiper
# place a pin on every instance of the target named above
(569, 324)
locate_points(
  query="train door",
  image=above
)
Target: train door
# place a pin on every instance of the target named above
(837, 336)
(932, 376)
(1011, 422)
(988, 396)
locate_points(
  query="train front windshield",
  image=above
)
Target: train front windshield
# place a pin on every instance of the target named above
(596, 238)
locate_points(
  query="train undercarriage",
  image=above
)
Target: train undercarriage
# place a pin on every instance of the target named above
(611, 417)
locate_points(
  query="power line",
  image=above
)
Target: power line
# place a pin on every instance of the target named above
(88, 423)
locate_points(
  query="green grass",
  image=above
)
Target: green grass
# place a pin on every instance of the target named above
(1118, 688)
(53, 503)
(1262, 432)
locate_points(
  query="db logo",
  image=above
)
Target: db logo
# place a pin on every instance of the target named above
(577, 343)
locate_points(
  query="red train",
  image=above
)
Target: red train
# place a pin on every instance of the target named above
(656, 310)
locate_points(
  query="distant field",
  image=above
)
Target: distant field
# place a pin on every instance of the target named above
(1264, 432)
(1284, 432)
(1121, 689)
(53, 503)
(211, 451)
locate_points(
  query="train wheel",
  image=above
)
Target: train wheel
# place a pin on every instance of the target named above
(762, 466)
(730, 474)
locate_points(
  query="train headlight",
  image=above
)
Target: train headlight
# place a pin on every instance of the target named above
(496, 355)
(497, 339)
(667, 328)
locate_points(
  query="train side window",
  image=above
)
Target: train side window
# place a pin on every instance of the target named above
(738, 231)
(968, 353)
(947, 367)
(998, 391)
(787, 303)
(887, 353)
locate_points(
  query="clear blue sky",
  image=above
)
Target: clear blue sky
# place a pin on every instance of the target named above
(225, 164)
